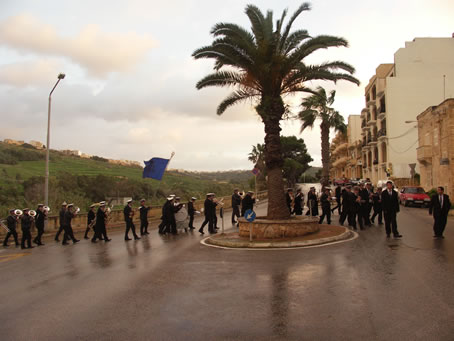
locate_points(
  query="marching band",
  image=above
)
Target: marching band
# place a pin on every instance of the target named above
(354, 206)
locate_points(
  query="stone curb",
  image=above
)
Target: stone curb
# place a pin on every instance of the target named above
(216, 241)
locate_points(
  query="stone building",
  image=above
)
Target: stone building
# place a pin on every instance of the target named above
(339, 157)
(422, 75)
(354, 168)
(436, 146)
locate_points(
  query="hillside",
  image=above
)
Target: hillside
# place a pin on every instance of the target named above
(89, 180)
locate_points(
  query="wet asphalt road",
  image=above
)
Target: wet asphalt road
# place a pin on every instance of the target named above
(174, 288)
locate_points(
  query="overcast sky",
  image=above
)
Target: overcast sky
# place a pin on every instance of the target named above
(129, 91)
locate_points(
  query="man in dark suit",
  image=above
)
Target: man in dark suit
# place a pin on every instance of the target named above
(236, 203)
(364, 209)
(128, 214)
(247, 203)
(11, 224)
(439, 208)
(100, 225)
(390, 205)
(26, 225)
(39, 224)
(91, 216)
(143, 217)
(192, 210)
(378, 211)
(210, 212)
(346, 204)
(325, 201)
(61, 221)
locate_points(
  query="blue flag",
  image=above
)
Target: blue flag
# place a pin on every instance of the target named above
(155, 168)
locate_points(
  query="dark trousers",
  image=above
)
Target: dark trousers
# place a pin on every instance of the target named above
(235, 213)
(69, 234)
(26, 237)
(215, 221)
(209, 221)
(162, 227)
(343, 216)
(378, 212)
(191, 221)
(143, 227)
(130, 227)
(9, 234)
(440, 224)
(88, 230)
(326, 212)
(37, 239)
(391, 223)
(60, 230)
(100, 233)
(365, 214)
(353, 217)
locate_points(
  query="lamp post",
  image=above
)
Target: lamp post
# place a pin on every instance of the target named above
(46, 181)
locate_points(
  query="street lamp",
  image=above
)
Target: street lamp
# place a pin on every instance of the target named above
(46, 181)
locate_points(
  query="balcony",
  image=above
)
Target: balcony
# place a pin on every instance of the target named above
(382, 134)
(372, 122)
(381, 113)
(341, 162)
(372, 141)
(340, 148)
(424, 154)
(371, 103)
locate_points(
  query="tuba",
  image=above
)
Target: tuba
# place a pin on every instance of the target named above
(32, 213)
(18, 213)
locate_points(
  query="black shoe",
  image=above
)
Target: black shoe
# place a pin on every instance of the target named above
(136, 238)
(76, 241)
(35, 241)
(86, 237)
(388, 236)
(57, 240)
(107, 240)
(23, 247)
(40, 244)
(201, 232)
(93, 241)
(397, 236)
(64, 243)
(127, 238)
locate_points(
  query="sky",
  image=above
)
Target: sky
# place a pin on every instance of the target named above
(129, 91)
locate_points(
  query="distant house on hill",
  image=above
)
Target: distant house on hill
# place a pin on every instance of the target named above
(72, 152)
(13, 142)
(37, 144)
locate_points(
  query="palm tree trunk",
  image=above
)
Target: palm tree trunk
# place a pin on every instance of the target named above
(271, 112)
(325, 153)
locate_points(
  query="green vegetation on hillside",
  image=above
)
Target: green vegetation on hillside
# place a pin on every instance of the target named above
(84, 181)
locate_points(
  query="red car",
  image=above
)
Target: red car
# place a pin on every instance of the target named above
(414, 195)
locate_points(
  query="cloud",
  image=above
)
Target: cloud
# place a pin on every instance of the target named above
(98, 52)
(30, 73)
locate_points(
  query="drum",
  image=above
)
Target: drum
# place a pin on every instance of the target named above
(181, 215)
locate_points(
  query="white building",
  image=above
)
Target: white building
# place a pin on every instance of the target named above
(422, 75)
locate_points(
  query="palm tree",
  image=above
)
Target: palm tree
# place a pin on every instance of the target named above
(317, 106)
(263, 66)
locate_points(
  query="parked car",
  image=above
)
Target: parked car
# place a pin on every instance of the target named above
(414, 195)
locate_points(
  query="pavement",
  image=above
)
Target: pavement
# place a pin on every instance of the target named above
(174, 288)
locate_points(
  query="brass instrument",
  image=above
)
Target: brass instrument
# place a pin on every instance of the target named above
(46, 209)
(4, 226)
(32, 213)
(76, 210)
(18, 213)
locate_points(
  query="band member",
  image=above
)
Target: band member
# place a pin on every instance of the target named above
(298, 203)
(325, 201)
(69, 234)
(91, 220)
(247, 203)
(390, 204)
(355, 209)
(236, 203)
(338, 199)
(128, 215)
(100, 225)
(312, 202)
(170, 224)
(191, 212)
(289, 199)
(39, 223)
(378, 210)
(439, 208)
(11, 223)
(365, 198)
(61, 220)
(26, 225)
(165, 216)
(143, 217)
(209, 211)
(215, 214)
(346, 201)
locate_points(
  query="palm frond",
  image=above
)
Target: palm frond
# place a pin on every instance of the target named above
(234, 98)
(221, 78)
(304, 7)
